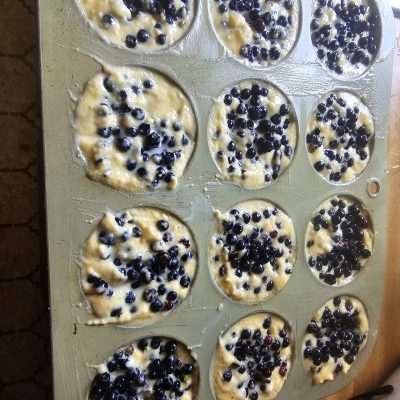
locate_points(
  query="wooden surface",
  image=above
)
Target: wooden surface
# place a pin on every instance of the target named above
(386, 356)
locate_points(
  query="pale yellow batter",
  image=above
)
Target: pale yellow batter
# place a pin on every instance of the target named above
(277, 235)
(346, 65)
(136, 363)
(135, 129)
(137, 265)
(330, 368)
(238, 30)
(330, 130)
(329, 240)
(267, 384)
(114, 21)
(267, 162)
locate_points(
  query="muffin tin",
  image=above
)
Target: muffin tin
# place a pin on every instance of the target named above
(71, 53)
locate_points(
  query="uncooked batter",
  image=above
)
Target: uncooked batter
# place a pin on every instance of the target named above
(135, 129)
(256, 32)
(253, 359)
(137, 265)
(147, 25)
(340, 132)
(252, 252)
(346, 35)
(252, 133)
(335, 336)
(339, 240)
(153, 367)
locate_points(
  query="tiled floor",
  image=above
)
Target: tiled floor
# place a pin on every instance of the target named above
(24, 328)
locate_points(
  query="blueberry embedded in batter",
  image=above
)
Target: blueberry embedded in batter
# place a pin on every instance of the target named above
(153, 367)
(346, 35)
(334, 338)
(253, 359)
(252, 133)
(339, 240)
(252, 252)
(135, 129)
(137, 266)
(137, 24)
(257, 32)
(340, 133)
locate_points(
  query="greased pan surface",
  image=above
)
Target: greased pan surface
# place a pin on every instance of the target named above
(71, 53)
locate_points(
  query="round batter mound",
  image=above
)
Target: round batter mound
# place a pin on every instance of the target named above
(135, 129)
(253, 359)
(256, 32)
(252, 133)
(151, 368)
(252, 252)
(136, 24)
(335, 336)
(137, 265)
(346, 35)
(339, 240)
(340, 132)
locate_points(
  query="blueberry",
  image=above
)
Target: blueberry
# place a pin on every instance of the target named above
(162, 225)
(116, 312)
(142, 36)
(156, 305)
(235, 92)
(142, 172)
(227, 375)
(222, 8)
(161, 39)
(228, 99)
(245, 94)
(130, 41)
(138, 114)
(148, 84)
(124, 144)
(107, 19)
(267, 323)
(172, 295)
(274, 53)
(130, 298)
(319, 166)
(256, 217)
(107, 238)
(185, 281)
(104, 132)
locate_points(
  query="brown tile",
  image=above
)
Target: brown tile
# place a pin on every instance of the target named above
(19, 142)
(25, 303)
(20, 250)
(26, 391)
(17, 27)
(21, 356)
(19, 197)
(17, 86)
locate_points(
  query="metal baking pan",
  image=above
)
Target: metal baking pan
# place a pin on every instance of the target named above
(71, 54)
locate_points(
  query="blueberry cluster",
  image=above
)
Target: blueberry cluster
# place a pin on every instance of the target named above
(271, 26)
(163, 12)
(257, 136)
(165, 376)
(253, 251)
(152, 274)
(337, 335)
(350, 40)
(347, 143)
(152, 147)
(257, 354)
(347, 225)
